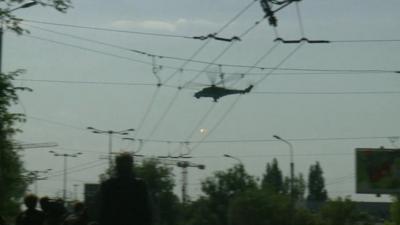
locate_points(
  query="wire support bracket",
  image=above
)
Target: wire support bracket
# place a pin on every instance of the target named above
(215, 37)
(301, 40)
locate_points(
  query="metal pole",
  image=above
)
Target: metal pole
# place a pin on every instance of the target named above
(64, 184)
(110, 134)
(65, 178)
(110, 149)
(76, 191)
(1, 46)
(291, 176)
(36, 186)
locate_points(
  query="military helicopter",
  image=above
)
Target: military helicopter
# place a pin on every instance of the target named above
(215, 91)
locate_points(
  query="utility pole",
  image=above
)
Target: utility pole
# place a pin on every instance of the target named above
(65, 156)
(110, 135)
(291, 176)
(35, 176)
(76, 192)
(184, 165)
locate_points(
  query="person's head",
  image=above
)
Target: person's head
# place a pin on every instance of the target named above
(45, 203)
(79, 207)
(124, 164)
(30, 201)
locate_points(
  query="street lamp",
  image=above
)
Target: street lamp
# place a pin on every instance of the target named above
(235, 158)
(35, 176)
(291, 174)
(65, 155)
(110, 134)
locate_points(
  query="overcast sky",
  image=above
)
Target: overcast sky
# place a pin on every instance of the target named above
(86, 77)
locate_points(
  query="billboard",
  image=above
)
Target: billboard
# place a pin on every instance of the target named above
(377, 171)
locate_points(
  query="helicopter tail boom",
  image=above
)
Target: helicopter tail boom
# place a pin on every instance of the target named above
(247, 90)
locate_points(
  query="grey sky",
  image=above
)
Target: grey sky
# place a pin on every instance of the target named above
(254, 116)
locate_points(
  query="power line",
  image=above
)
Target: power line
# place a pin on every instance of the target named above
(87, 49)
(147, 112)
(190, 60)
(172, 102)
(236, 140)
(300, 19)
(365, 41)
(325, 93)
(108, 29)
(55, 122)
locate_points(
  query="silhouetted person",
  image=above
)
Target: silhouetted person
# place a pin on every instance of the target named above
(31, 216)
(2, 222)
(79, 215)
(54, 211)
(124, 199)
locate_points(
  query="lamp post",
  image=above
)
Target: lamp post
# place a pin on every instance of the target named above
(110, 134)
(35, 177)
(291, 175)
(235, 158)
(65, 155)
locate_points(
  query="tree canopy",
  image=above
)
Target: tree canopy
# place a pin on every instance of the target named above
(223, 186)
(272, 178)
(11, 22)
(12, 184)
(316, 184)
(160, 181)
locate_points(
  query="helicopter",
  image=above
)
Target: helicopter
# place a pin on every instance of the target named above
(215, 91)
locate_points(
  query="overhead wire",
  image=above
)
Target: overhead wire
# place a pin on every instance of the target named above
(300, 19)
(70, 171)
(191, 60)
(55, 122)
(223, 117)
(205, 69)
(107, 29)
(77, 167)
(262, 140)
(176, 95)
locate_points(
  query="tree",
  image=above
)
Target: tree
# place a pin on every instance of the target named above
(316, 184)
(395, 210)
(299, 186)
(160, 181)
(225, 185)
(12, 22)
(341, 212)
(12, 184)
(272, 179)
(259, 207)
(199, 213)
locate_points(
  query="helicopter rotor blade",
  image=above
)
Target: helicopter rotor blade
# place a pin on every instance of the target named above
(212, 74)
(193, 84)
(230, 78)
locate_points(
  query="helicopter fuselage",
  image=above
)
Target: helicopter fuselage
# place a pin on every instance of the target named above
(216, 92)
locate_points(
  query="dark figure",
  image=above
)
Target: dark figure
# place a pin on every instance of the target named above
(2, 222)
(31, 216)
(79, 215)
(124, 199)
(54, 211)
